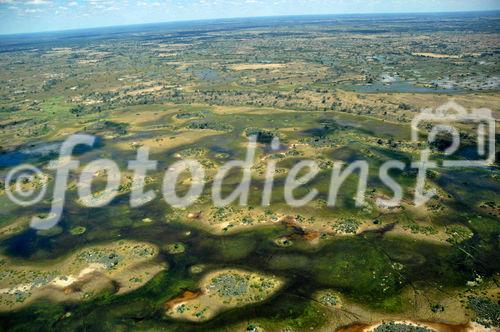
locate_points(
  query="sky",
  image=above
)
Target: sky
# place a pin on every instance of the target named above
(19, 16)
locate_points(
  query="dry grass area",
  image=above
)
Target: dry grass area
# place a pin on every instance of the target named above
(136, 119)
(15, 227)
(87, 62)
(390, 102)
(416, 311)
(469, 101)
(163, 143)
(120, 266)
(436, 55)
(144, 91)
(249, 110)
(257, 66)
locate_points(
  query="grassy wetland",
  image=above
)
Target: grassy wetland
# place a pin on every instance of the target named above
(332, 89)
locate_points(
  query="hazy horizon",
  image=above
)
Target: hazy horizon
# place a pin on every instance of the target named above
(233, 18)
(31, 16)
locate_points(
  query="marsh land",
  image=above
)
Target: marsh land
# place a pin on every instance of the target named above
(331, 88)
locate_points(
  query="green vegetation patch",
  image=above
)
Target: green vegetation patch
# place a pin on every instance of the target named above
(79, 230)
(458, 233)
(347, 226)
(283, 242)
(419, 229)
(109, 259)
(9, 109)
(400, 327)
(363, 272)
(210, 125)
(263, 135)
(175, 248)
(487, 311)
(192, 115)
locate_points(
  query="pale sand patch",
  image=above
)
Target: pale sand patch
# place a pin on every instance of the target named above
(145, 91)
(169, 47)
(62, 49)
(257, 66)
(163, 143)
(249, 110)
(59, 282)
(436, 55)
(136, 118)
(58, 51)
(167, 55)
(63, 282)
(87, 62)
(90, 102)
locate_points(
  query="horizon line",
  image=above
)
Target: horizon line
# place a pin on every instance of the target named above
(20, 34)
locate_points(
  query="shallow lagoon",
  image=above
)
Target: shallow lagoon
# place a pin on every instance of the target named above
(306, 268)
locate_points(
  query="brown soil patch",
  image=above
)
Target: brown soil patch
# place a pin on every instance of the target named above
(290, 222)
(311, 235)
(186, 296)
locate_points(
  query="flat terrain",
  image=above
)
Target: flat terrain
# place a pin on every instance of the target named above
(332, 89)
